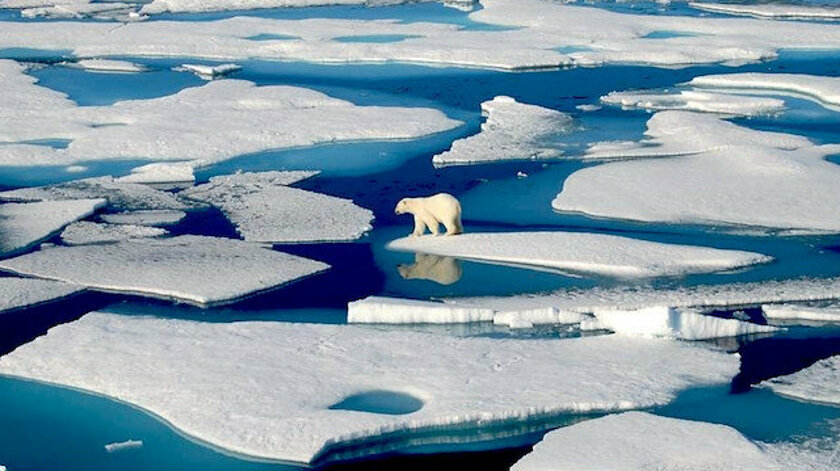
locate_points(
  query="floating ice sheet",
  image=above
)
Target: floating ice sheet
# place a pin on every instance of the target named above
(19, 293)
(693, 100)
(819, 382)
(822, 89)
(722, 174)
(120, 195)
(784, 11)
(636, 441)
(793, 312)
(194, 269)
(145, 218)
(106, 66)
(265, 209)
(298, 371)
(22, 225)
(86, 232)
(512, 131)
(184, 6)
(581, 252)
(210, 72)
(161, 174)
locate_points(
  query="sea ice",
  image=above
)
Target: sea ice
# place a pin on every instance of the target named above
(581, 252)
(822, 89)
(145, 218)
(22, 225)
(86, 232)
(106, 66)
(637, 441)
(721, 174)
(268, 393)
(663, 321)
(210, 72)
(819, 382)
(126, 445)
(183, 6)
(792, 312)
(195, 269)
(20, 293)
(265, 209)
(512, 131)
(161, 174)
(73, 9)
(121, 195)
(784, 11)
(693, 100)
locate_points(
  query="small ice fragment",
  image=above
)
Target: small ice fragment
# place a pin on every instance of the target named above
(120, 446)
(209, 72)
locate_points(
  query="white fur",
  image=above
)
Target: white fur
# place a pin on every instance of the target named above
(432, 211)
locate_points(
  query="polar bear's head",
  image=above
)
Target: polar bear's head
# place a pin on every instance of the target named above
(402, 206)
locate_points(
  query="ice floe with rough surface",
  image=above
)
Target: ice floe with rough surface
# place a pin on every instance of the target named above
(74, 9)
(86, 232)
(793, 313)
(819, 382)
(693, 100)
(265, 209)
(637, 441)
(106, 66)
(382, 310)
(720, 174)
(663, 321)
(299, 371)
(218, 121)
(194, 269)
(786, 11)
(161, 175)
(185, 6)
(23, 225)
(581, 252)
(822, 89)
(150, 217)
(120, 195)
(209, 72)
(20, 293)
(512, 131)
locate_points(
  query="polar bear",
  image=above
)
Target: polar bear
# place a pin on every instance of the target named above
(431, 211)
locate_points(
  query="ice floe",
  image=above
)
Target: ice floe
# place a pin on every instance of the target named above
(636, 441)
(86, 232)
(721, 174)
(819, 382)
(22, 225)
(184, 6)
(210, 72)
(206, 124)
(512, 131)
(19, 293)
(194, 269)
(581, 252)
(265, 209)
(693, 100)
(120, 195)
(145, 218)
(299, 371)
(822, 89)
(763, 10)
(73, 9)
(530, 34)
(663, 321)
(161, 175)
(126, 445)
(106, 66)
(793, 313)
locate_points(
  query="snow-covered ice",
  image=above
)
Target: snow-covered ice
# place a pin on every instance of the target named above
(512, 131)
(381, 310)
(721, 174)
(297, 371)
(19, 293)
(106, 66)
(682, 324)
(819, 382)
(637, 441)
(22, 225)
(150, 217)
(210, 72)
(581, 252)
(694, 100)
(194, 269)
(184, 6)
(125, 445)
(218, 121)
(773, 11)
(793, 312)
(87, 232)
(121, 195)
(74, 9)
(265, 209)
(161, 174)
(822, 89)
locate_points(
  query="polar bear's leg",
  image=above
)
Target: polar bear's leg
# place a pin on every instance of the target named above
(431, 221)
(419, 226)
(454, 227)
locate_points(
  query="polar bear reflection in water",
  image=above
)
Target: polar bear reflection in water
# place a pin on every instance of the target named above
(442, 270)
(431, 212)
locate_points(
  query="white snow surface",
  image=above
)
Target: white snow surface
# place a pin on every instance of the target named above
(150, 217)
(822, 89)
(637, 441)
(106, 66)
(681, 324)
(74, 9)
(819, 382)
(87, 232)
(220, 120)
(720, 174)
(160, 173)
(194, 269)
(532, 34)
(210, 72)
(184, 6)
(297, 371)
(694, 100)
(793, 312)
(22, 225)
(265, 209)
(19, 293)
(772, 11)
(512, 131)
(120, 195)
(581, 252)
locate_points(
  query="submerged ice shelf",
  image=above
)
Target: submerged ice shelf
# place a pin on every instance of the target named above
(299, 370)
